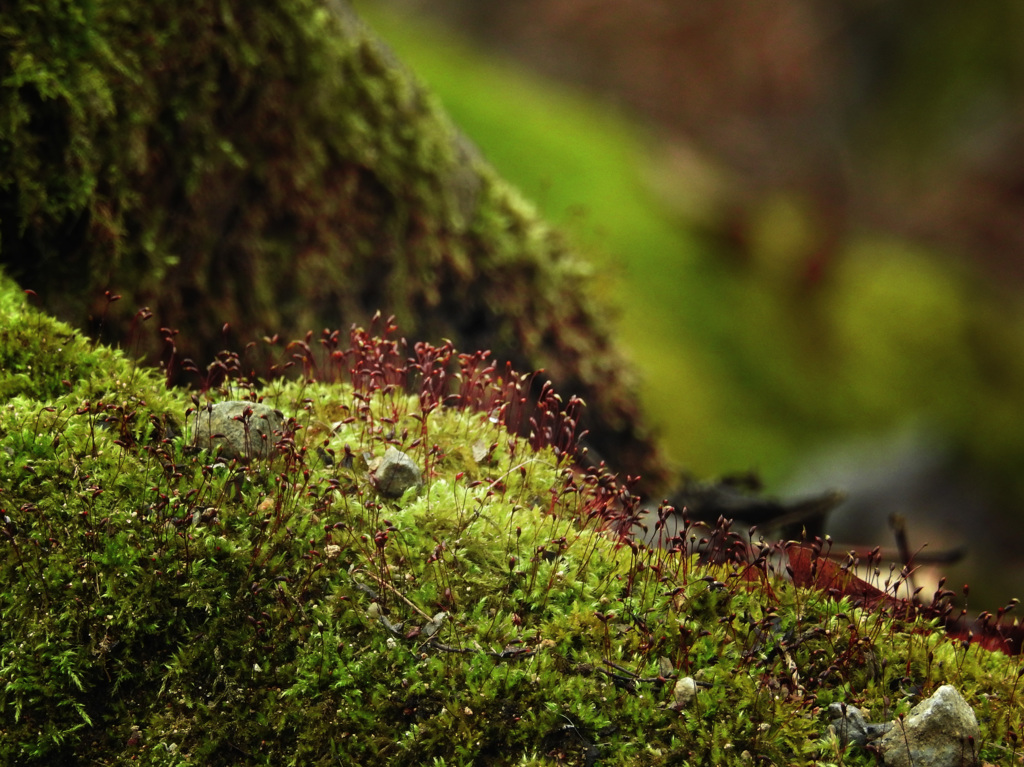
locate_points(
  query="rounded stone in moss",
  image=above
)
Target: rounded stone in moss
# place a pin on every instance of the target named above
(237, 429)
(396, 474)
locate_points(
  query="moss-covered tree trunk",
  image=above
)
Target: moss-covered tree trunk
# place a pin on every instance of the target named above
(271, 168)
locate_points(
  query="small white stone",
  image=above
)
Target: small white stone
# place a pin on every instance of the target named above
(683, 693)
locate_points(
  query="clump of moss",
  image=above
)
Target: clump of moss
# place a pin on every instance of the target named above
(165, 606)
(246, 171)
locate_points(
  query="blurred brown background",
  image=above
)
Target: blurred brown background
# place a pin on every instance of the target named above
(902, 116)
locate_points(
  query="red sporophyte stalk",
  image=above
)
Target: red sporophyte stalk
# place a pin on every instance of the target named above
(377, 362)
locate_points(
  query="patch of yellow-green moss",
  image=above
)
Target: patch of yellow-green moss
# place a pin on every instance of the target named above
(162, 607)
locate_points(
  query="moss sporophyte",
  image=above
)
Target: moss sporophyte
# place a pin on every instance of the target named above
(169, 605)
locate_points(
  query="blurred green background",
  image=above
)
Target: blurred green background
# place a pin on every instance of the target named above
(833, 322)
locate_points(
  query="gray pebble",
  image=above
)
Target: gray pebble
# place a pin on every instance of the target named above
(941, 731)
(224, 427)
(852, 727)
(396, 473)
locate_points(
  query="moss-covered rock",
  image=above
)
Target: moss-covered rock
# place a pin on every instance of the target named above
(247, 171)
(163, 606)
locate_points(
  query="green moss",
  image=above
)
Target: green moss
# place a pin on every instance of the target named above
(247, 171)
(163, 609)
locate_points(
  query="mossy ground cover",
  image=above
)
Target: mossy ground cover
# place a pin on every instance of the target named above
(162, 606)
(248, 170)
